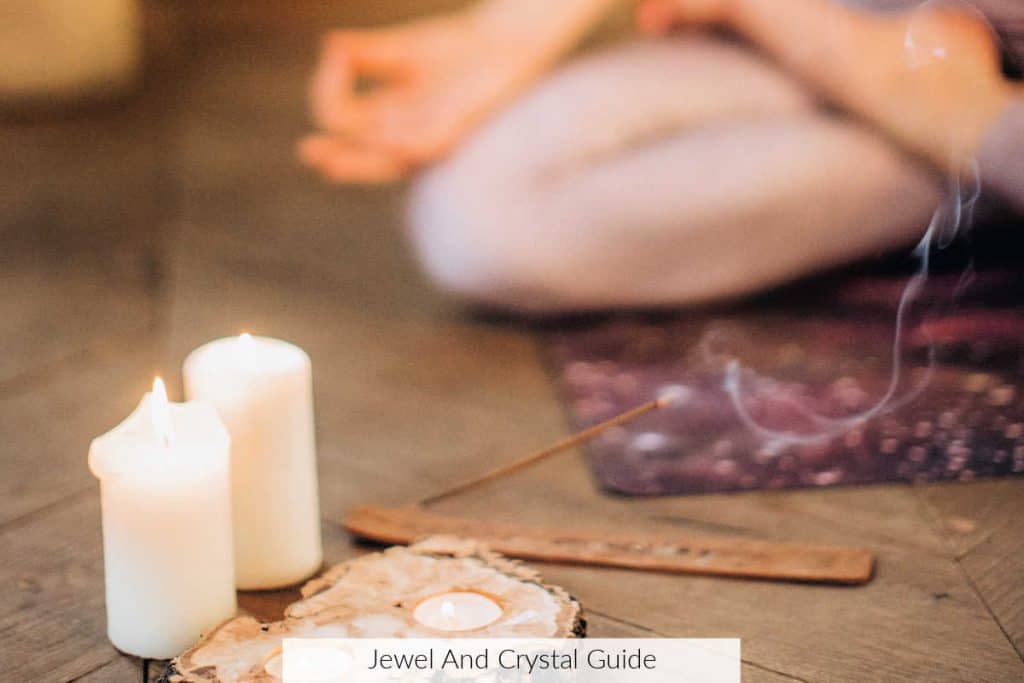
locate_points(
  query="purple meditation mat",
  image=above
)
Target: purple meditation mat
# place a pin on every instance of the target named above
(808, 369)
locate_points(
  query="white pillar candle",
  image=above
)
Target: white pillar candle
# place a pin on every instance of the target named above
(167, 542)
(457, 611)
(262, 389)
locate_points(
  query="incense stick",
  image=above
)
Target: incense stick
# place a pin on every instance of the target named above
(555, 448)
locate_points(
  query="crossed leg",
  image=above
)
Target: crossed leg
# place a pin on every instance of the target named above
(661, 173)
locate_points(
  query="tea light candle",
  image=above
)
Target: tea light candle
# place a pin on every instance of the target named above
(262, 388)
(457, 611)
(167, 541)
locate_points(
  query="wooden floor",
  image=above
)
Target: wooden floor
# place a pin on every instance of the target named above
(129, 236)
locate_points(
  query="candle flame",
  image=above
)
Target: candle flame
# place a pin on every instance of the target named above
(160, 412)
(245, 338)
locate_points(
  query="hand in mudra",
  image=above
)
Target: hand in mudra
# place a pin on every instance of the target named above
(430, 82)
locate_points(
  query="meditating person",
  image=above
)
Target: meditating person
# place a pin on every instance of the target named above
(672, 169)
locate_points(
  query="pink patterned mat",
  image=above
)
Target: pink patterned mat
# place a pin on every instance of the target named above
(810, 361)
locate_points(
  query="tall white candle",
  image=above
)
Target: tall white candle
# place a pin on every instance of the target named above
(262, 389)
(167, 541)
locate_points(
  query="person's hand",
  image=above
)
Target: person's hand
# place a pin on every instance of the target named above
(658, 16)
(930, 78)
(430, 82)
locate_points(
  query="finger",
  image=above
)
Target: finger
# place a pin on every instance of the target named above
(417, 128)
(336, 108)
(660, 16)
(347, 56)
(341, 161)
(330, 90)
(377, 114)
(656, 17)
(382, 52)
(412, 144)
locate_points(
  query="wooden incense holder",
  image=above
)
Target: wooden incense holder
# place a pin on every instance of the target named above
(683, 554)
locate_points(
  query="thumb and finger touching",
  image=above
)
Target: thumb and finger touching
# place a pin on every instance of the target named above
(410, 115)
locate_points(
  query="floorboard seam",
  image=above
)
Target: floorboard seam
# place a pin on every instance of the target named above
(29, 379)
(703, 525)
(974, 546)
(935, 522)
(626, 622)
(762, 667)
(641, 627)
(988, 608)
(31, 515)
(93, 670)
(868, 537)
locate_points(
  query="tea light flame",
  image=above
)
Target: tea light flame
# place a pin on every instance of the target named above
(245, 339)
(458, 611)
(160, 412)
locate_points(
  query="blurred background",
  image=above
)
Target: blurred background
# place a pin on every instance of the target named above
(158, 203)
(151, 200)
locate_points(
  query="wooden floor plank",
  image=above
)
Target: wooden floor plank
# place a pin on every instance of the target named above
(52, 618)
(984, 526)
(968, 516)
(49, 319)
(84, 196)
(995, 569)
(49, 424)
(603, 626)
(482, 396)
(119, 670)
(893, 630)
(919, 617)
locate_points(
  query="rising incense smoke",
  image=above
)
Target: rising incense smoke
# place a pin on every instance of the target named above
(952, 218)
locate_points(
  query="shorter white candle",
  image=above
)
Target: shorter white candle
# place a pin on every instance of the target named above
(263, 390)
(167, 540)
(457, 611)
